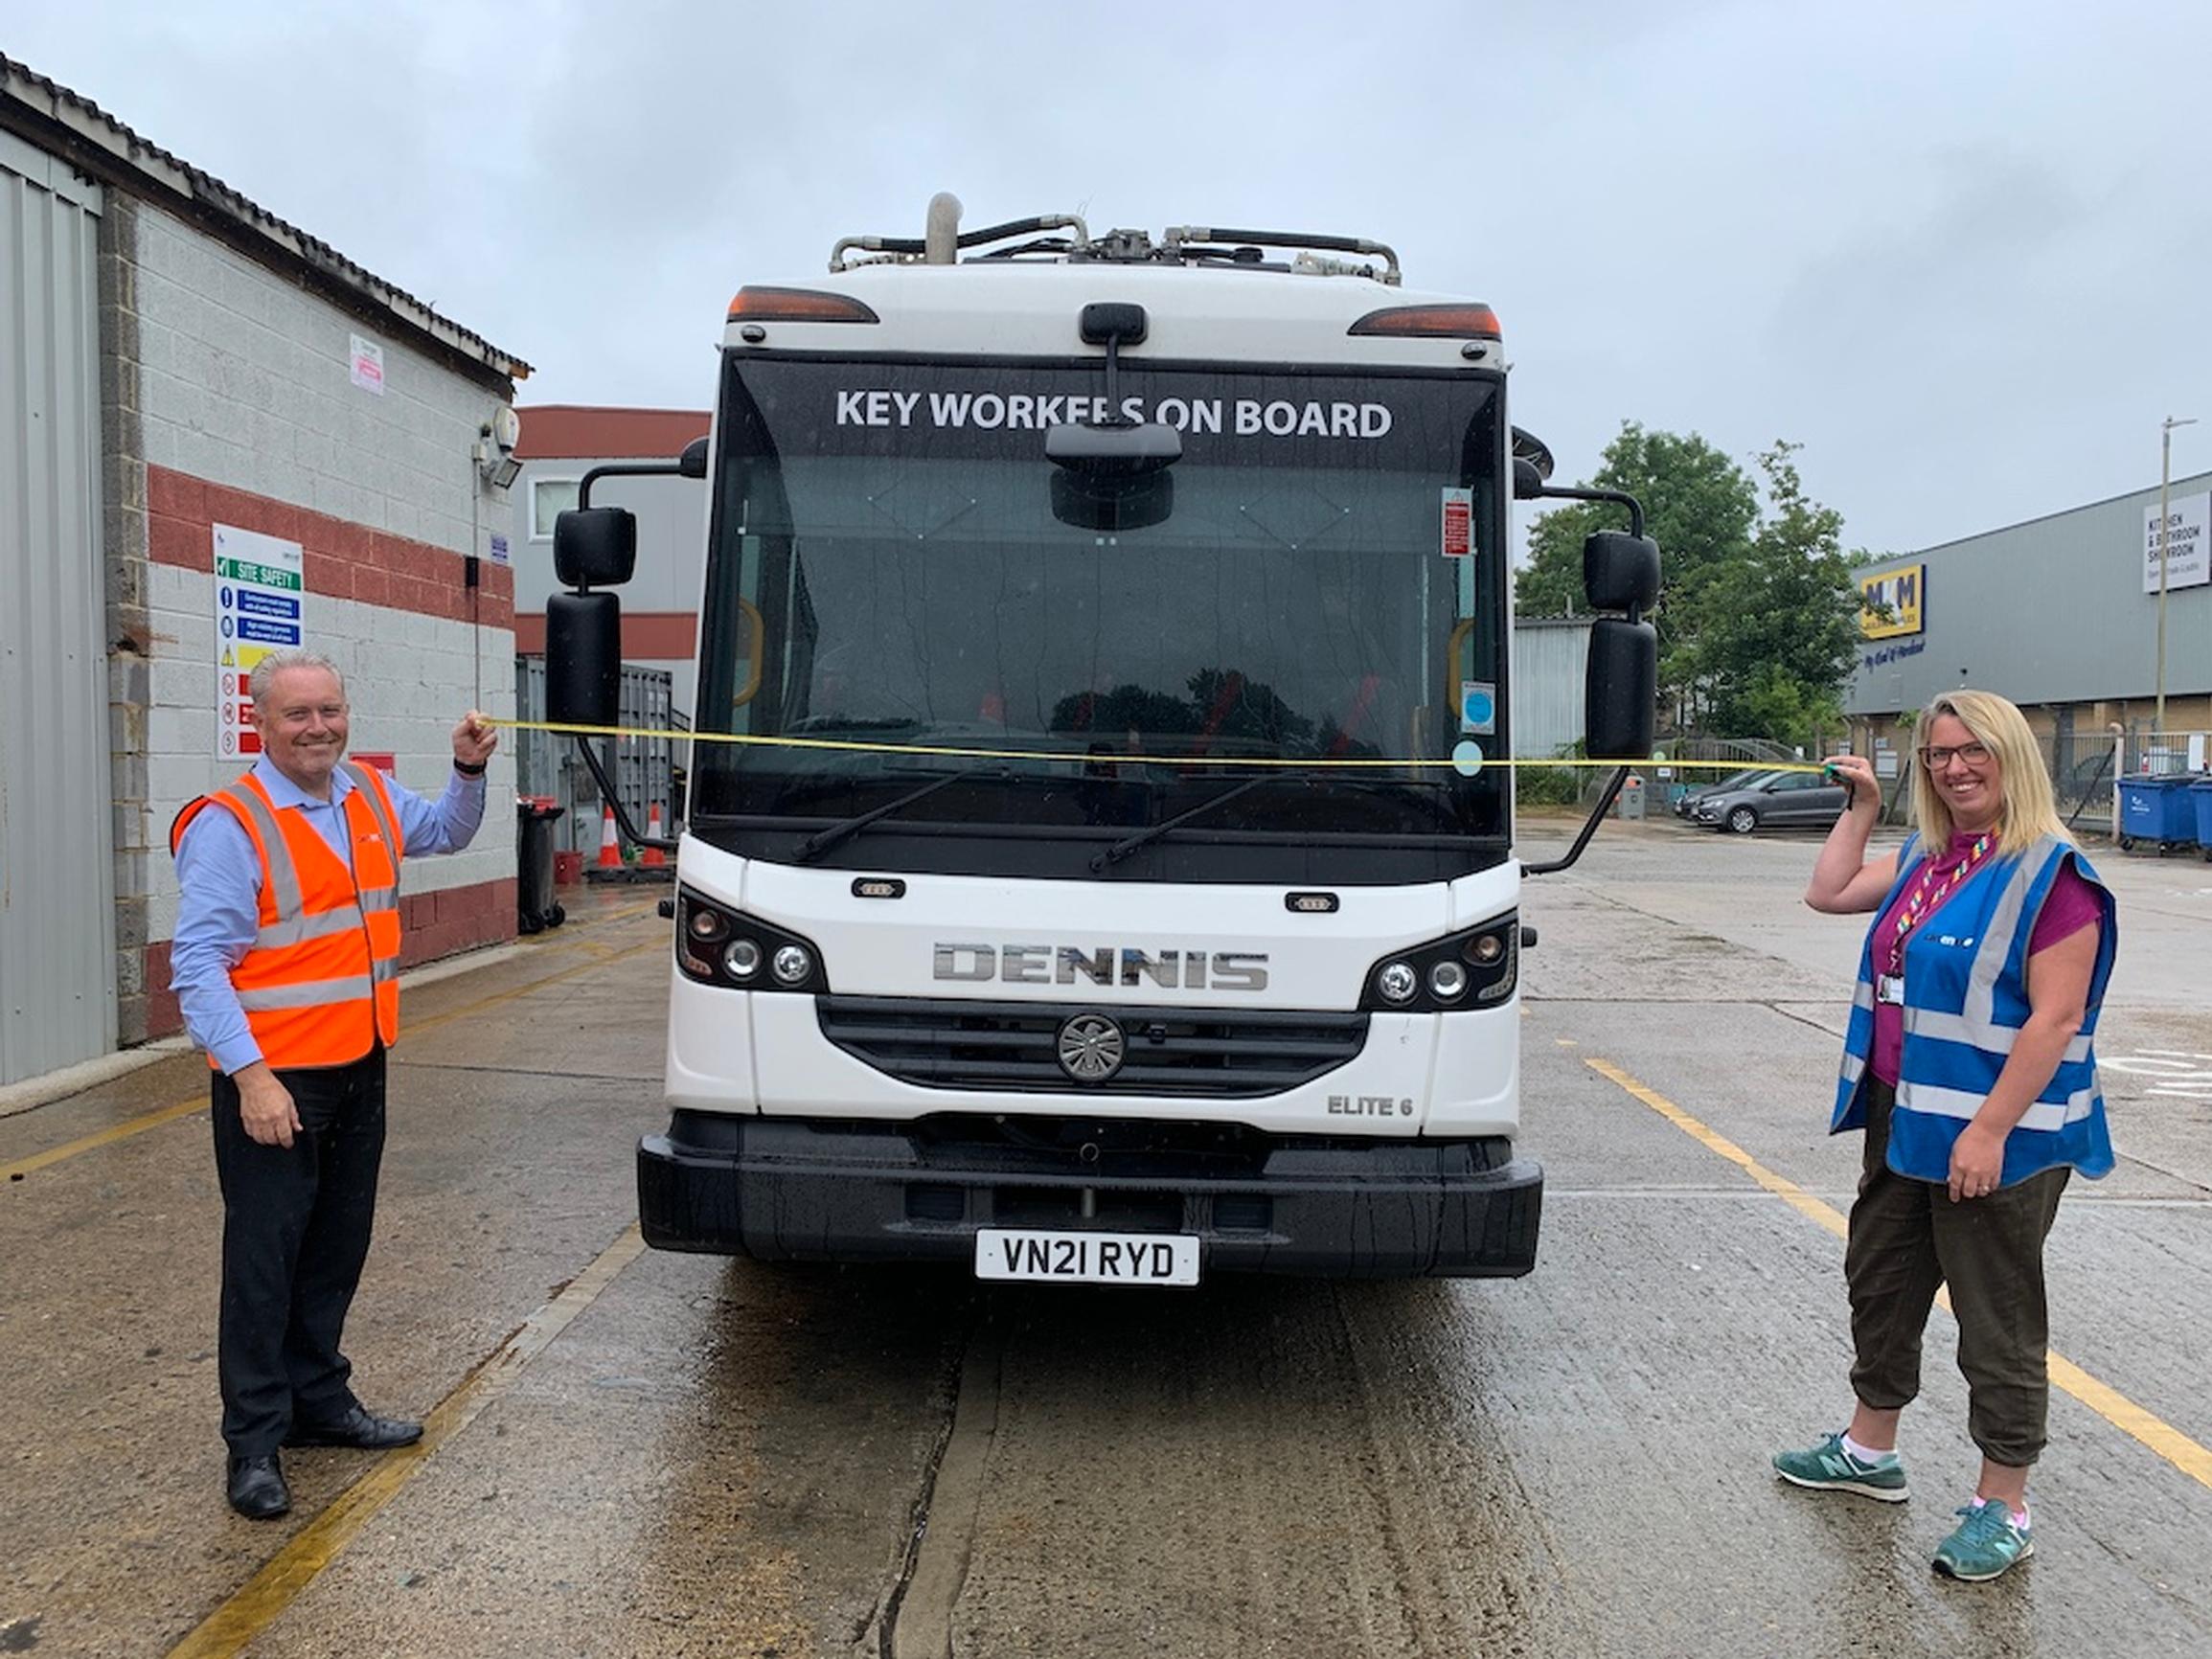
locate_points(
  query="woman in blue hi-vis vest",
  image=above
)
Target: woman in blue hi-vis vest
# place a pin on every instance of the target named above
(1970, 1064)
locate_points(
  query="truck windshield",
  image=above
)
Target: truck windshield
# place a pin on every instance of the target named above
(889, 582)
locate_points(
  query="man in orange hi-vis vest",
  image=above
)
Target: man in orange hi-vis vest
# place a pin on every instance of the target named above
(286, 965)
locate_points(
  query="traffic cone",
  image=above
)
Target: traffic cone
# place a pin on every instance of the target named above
(651, 857)
(610, 847)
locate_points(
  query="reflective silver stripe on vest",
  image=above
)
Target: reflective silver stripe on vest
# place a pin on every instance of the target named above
(1984, 1034)
(376, 804)
(346, 919)
(1976, 1024)
(284, 874)
(385, 970)
(355, 988)
(380, 898)
(1962, 1105)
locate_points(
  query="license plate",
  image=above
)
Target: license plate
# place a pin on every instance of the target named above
(1086, 1258)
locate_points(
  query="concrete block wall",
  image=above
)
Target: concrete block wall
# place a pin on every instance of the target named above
(229, 400)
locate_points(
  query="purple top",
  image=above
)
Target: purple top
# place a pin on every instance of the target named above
(2072, 907)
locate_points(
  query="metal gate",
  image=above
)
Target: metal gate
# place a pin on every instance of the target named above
(546, 766)
(57, 1002)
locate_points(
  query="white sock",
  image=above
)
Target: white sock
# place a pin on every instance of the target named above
(1866, 1454)
(2019, 1516)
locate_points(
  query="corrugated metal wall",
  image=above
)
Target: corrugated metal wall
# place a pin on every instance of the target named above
(56, 883)
(1550, 661)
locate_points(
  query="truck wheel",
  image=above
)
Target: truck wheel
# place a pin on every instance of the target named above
(1743, 820)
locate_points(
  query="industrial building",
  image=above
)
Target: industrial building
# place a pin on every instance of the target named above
(2064, 615)
(217, 435)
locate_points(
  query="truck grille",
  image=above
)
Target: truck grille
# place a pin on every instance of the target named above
(1225, 1054)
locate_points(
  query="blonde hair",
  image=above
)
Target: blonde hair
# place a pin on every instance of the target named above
(2030, 806)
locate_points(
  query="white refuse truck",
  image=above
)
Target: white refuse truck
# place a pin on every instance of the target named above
(1094, 866)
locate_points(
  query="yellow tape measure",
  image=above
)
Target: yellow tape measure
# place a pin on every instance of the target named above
(840, 745)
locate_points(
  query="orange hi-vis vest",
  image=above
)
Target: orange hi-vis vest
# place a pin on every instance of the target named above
(320, 984)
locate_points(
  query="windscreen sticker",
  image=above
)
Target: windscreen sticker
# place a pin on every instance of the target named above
(1038, 411)
(1467, 759)
(1459, 525)
(1478, 706)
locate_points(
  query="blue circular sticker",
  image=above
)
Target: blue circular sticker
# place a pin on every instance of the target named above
(1467, 759)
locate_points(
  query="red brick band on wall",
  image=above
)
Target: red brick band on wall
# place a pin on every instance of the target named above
(432, 925)
(648, 636)
(343, 559)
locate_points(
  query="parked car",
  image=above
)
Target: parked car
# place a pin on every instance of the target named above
(1686, 802)
(1784, 799)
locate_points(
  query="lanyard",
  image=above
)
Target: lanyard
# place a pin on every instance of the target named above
(1930, 890)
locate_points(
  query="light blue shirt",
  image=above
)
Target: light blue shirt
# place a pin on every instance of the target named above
(220, 877)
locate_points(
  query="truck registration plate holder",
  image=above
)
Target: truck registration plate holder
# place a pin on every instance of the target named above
(1067, 1257)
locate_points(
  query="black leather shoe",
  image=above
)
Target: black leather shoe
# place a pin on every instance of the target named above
(358, 1429)
(257, 1490)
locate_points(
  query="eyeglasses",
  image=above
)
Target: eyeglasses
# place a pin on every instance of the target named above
(1935, 756)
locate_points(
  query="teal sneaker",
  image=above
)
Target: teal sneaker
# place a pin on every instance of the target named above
(1984, 1545)
(1830, 1469)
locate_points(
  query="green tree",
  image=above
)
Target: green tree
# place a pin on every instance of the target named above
(1777, 625)
(1700, 508)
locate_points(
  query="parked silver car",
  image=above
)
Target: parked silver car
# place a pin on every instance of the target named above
(1686, 802)
(1784, 799)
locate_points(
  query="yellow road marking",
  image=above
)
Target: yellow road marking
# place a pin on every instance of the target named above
(154, 1120)
(2114, 1408)
(271, 1590)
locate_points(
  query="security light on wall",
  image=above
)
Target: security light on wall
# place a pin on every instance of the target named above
(495, 444)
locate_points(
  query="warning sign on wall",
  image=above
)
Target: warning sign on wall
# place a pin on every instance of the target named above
(259, 590)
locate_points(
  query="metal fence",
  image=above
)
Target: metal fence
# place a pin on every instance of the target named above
(643, 768)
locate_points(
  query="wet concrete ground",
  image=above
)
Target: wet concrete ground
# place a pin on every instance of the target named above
(716, 1457)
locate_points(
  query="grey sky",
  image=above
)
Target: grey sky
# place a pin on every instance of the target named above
(1960, 252)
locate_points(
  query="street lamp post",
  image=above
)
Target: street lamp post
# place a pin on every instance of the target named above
(2166, 477)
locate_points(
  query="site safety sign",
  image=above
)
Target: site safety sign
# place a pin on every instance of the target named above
(259, 592)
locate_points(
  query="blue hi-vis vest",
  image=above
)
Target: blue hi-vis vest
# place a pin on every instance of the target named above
(1965, 1001)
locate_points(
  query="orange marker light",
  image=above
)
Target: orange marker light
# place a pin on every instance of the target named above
(798, 306)
(1430, 323)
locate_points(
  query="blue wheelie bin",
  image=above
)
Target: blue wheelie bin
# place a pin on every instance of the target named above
(2157, 809)
(2201, 799)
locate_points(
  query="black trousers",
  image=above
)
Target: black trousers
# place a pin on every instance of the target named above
(296, 1223)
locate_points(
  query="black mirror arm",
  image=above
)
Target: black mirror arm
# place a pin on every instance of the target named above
(1620, 498)
(1589, 828)
(607, 793)
(630, 469)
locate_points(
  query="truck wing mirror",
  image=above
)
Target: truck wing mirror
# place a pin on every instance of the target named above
(1620, 707)
(595, 546)
(692, 462)
(582, 659)
(1621, 572)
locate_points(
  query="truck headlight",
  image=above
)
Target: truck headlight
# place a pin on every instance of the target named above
(717, 945)
(1397, 982)
(1474, 968)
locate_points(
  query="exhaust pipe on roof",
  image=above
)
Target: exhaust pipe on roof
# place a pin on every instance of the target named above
(941, 238)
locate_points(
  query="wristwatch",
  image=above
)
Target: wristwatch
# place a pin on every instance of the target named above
(467, 771)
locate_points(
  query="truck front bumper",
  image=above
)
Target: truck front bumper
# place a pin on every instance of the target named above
(784, 1190)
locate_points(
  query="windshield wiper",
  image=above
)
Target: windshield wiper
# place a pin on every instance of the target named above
(838, 834)
(1122, 849)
